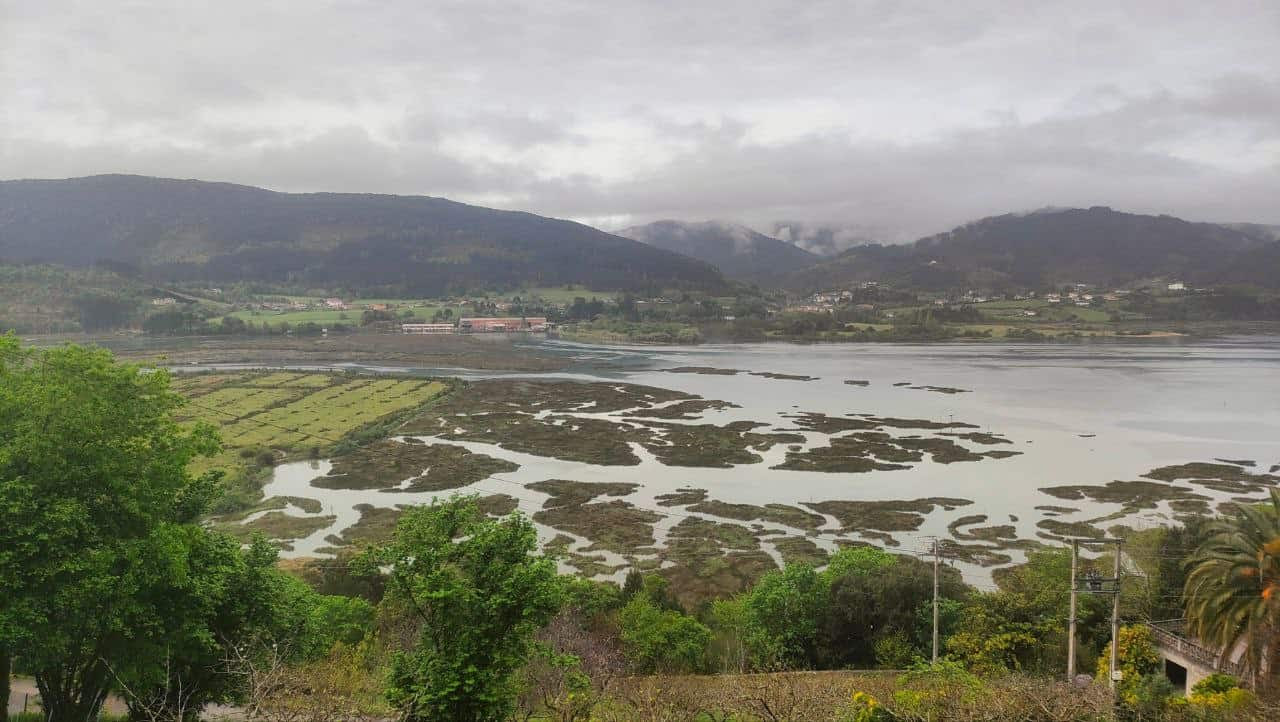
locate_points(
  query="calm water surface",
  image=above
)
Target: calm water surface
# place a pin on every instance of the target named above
(1080, 414)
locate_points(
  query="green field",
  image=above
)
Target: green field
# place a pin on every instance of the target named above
(351, 316)
(265, 418)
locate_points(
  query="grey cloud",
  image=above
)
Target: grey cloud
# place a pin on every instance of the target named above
(882, 119)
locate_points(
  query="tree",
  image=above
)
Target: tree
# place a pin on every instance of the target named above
(1233, 589)
(479, 593)
(98, 514)
(784, 611)
(661, 640)
(225, 603)
(101, 311)
(234, 325)
(868, 607)
(1022, 626)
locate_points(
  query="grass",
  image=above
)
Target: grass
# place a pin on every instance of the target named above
(776, 513)
(330, 412)
(268, 417)
(886, 516)
(800, 550)
(277, 525)
(613, 525)
(328, 317)
(564, 492)
(386, 464)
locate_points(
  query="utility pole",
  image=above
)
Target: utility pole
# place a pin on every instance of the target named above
(1071, 616)
(935, 600)
(1115, 618)
(1095, 585)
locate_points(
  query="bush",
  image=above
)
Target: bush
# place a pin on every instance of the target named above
(894, 651)
(1138, 659)
(1148, 695)
(1215, 683)
(932, 691)
(1219, 696)
(661, 640)
(865, 708)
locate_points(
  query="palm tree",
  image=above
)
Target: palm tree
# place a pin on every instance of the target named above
(1232, 592)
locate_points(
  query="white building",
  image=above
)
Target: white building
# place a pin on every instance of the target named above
(426, 328)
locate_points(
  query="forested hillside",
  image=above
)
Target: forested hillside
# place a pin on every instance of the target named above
(1098, 246)
(179, 230)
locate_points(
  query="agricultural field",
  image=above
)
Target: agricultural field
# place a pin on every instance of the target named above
(268, 417)
(420, 310)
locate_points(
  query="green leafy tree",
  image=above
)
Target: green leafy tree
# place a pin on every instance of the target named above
(98, 515)
(1022, 625)
(865, 607)
(784, 613)
(225, 602)
(479, 594)
(785, 617)
(661, 640)
(1233, 587)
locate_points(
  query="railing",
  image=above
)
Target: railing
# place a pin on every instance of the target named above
(1169, 634)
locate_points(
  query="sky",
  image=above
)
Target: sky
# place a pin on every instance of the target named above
(885, 120)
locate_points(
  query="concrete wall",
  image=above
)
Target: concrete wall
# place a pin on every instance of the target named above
(1195, 670)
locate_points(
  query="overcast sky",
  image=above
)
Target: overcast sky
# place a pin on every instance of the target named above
(892, 118)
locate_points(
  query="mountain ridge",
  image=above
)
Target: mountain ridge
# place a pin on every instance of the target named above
(421, 245)
(1052, 247)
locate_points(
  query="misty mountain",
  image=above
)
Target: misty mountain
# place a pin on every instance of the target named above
(416, 245)
(1052, 247)
(739, 252)
(822, 239)
(1257, 230)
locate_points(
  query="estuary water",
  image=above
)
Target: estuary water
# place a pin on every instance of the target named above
(1079, 414)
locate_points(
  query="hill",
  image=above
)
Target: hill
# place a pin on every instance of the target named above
(739, 252)
(415, 245)
(1098, 246)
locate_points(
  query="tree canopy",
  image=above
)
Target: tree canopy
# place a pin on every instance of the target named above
(478, 593)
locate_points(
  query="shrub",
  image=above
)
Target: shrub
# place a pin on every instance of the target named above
(1215, 683)
(1138, 659)
(865, 708)
(894, 651)
(1219, 696)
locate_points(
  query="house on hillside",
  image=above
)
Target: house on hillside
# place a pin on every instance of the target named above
(163, 301)
(1176, 286)
(335, 303)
